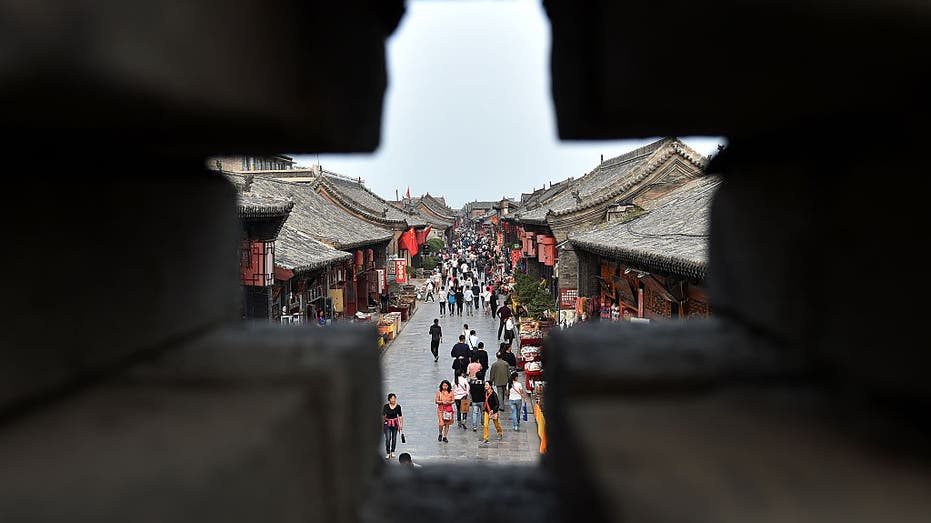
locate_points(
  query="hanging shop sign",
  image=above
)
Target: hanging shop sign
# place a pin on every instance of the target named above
(515, 258)
(382, 279)
(400, 271)
(567, 298)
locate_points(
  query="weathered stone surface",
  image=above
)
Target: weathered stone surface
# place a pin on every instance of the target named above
(204, 76)
(469, 492)
(108, 267)
(635, 69)
(244, 424)
(701, 421)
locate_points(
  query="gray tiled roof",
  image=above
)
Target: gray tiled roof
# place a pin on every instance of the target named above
(250, 206)
(534, 200)
(316, 217)
(300, 252)
(437, 204)
(672, 238)
(355, 195)
(611, 179)
(294, 249)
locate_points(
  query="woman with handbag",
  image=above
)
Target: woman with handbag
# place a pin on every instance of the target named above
(444, 409)
(393, 423)
(461, 395)
(490, 409)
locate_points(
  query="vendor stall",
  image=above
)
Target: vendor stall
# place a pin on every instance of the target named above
(389, 324)
(530, 357)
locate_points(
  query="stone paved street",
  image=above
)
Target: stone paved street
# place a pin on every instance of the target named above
(410, 372)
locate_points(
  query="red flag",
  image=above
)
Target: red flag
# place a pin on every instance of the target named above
(408, 194)
(409, 242)
(422, 235)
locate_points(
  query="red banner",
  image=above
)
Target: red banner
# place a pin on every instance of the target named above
(409, 241)
(422, 235)
(400, 271)
(515, 257)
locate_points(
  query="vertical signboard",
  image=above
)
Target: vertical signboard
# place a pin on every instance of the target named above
(567, 298)
(400, 271)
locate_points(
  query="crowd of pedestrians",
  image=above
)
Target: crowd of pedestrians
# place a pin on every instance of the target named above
(471, 278)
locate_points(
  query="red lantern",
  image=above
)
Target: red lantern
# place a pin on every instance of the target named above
(358, 258)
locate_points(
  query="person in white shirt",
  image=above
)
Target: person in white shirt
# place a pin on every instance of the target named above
(443, 301)
(467, 297)
(460, 391)
(516, 396)
(430, 296)
(486, 295)
(473, 339)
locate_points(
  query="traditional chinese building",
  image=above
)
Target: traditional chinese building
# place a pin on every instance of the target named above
(477, 209)
(351, 195)
(651, 266)
(434, 211)
(309, 270)
(618, 188)
(261, 220)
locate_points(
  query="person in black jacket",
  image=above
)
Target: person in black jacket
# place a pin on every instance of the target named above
(436, 337)
(460, 354)
(490, 412)
(477, 395)
(460, 300)
(508, 356)
(480, 356)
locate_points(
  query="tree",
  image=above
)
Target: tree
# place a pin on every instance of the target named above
(535, 298)
(435, 245)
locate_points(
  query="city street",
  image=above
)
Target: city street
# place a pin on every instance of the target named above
(411, 373)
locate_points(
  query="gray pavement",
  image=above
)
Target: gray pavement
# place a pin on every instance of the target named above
(410, 372)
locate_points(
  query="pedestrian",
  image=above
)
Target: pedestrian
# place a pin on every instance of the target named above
(393, 423)
(460, 299)
(383, 299)
(510, 358)
(461, 395)
(460, 355)
(509, 331)
(467, 297)
(520, 312)
(493, 304)
(499, 376)
(404, 459)
(503, 314)
(516, 396)
(465, 330)
(436, 337)
(484, 295)
(473, 340)
(481, 356)
(430, 296)
(444, 409)
(442, 298)
(490, 412)
(451, 301)
(477, 397)
(476, 295)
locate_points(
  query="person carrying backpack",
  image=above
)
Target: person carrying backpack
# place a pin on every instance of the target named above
(451, 301)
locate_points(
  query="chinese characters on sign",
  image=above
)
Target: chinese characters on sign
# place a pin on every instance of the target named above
(567, 298)
(400, 271)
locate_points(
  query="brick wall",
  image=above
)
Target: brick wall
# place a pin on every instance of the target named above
(568, 268)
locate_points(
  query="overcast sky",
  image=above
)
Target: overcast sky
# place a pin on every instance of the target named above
(468, 113)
